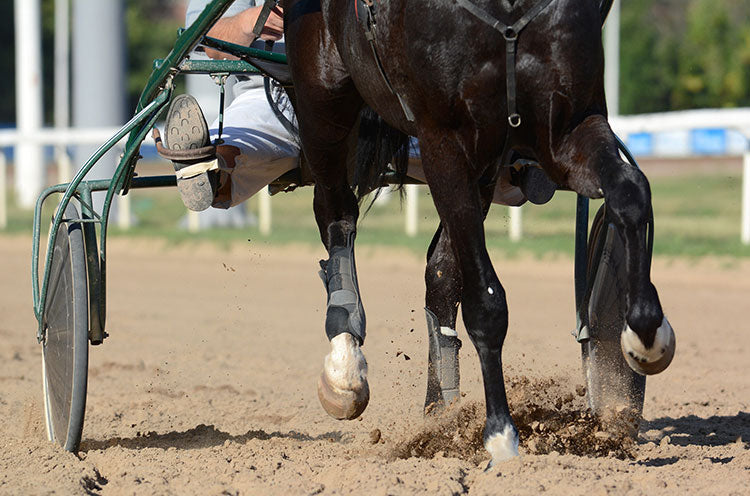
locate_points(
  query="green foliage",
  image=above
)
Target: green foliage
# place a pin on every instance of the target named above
(681, 54)
(152, 31)
(7, 64)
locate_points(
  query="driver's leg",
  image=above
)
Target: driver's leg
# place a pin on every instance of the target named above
(255, 150)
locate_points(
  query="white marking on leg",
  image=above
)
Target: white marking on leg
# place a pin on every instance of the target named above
(345, 366)
(490, 291)
(633, 345)
(448, 331)
(503, 446)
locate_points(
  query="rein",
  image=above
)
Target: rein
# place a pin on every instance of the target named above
(370, 30)
(510, 33)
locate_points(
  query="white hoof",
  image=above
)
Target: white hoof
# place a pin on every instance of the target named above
(502, 446)
(648, 361)
(342, 388)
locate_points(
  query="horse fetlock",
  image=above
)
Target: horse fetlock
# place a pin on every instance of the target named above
(342, 388)
(648, 360)
(502, 445)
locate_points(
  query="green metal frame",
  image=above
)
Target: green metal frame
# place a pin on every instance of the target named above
(154, 99)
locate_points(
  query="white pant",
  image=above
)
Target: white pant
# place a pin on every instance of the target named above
(266, 149)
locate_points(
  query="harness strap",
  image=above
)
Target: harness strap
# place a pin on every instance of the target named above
(370, 26)
(268, 5)
(510, 33)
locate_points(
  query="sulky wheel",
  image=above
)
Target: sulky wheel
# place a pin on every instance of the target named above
(65, 352)
(612, 386)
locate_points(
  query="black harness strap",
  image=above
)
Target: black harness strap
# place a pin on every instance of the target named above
(268, 5)
(510, 33)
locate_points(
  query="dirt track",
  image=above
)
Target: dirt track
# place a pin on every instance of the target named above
(207, 383)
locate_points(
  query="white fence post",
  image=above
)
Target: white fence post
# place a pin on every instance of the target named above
(264, 211)
(3, 192)
(193, 221)
(515, 229)
(612, 58)
(64, 166)
(124, 221)
(746, 198)
(412, 210)
(28, 159)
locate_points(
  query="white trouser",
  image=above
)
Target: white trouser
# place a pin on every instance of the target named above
(266, 149)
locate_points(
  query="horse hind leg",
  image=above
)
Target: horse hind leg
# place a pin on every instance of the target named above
(648, 341)
(342, 387)
(327, 112)
(443, 293)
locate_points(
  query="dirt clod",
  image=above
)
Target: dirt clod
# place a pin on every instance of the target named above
(375, 435)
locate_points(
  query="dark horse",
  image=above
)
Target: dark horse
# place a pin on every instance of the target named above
(476, 81)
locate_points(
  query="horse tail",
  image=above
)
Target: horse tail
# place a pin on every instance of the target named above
(381, 149)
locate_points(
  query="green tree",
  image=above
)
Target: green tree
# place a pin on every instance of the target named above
(152, 30)
(713, 62)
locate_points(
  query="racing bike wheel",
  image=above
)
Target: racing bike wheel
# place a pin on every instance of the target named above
(65, 350)
(611, 385)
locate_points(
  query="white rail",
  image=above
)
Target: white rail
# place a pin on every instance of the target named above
(60, 138)
(737, 119)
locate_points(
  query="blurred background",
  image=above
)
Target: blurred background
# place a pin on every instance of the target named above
(678, 85)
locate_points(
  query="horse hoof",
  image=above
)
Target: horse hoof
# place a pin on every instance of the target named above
(649, 361)
(342, 405)
(342, 387)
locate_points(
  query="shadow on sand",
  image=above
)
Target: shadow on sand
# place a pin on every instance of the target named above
(692, 430)
(202, 436)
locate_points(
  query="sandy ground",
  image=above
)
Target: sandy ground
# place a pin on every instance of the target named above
(207, 383)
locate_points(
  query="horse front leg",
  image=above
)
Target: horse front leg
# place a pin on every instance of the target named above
(443, 284)
(648, 341)
(457, 197)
